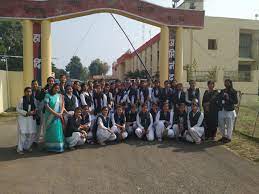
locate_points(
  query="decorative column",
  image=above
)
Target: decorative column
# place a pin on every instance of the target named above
(37, 51)
(163, 54)
(46, 68)
(179, 55)
(27, 52)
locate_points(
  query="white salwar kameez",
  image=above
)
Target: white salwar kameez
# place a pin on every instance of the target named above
(102, 132)
(195, 133)
(117, 130)
(226, 120)
(160, 127)
(75, 140)
(140, 130)
(26, 128)
(131, 127)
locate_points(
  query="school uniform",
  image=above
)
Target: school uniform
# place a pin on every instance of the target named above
(119, 120)
(190, 95)
(145, 122)
(120, 97)
(166, 96)
(227, 114)
(156, 95)
(102, 134)
(26, 124)
(131, 122)
(72, 134)
(179, 97)
(62, 89)
(180, 123)
(133, 96)
(77, 94)
(100, 101)
(195, 127)
(164, 121)
(87, 121)
(144, 96)
(87, 99)
(210, 107)
(71, 103)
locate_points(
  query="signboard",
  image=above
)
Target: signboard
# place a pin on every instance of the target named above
(171, 54)
(37, 52)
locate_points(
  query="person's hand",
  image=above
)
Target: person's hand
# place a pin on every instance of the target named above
(59, 115)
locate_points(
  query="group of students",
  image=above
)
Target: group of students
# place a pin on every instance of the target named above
(69, 115)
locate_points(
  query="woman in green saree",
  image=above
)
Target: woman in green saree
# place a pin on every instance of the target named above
(54, 138)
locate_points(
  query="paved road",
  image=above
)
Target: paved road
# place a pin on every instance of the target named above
(131, 167)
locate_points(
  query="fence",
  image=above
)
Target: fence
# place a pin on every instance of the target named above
(238, 76)
(202, 76)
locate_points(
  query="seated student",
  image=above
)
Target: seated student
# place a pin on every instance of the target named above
(164, 123)
(145, 124)
(103, 131)
(71, 102)
(180, 120)
(195, 124)
(131, 119)
(75, 134)
(86, 120)
(153, 112)
(119, 123)
(26, 121)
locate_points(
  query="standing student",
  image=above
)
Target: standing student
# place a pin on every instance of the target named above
(99, 99)
(180, 120)
(54, 138)
(75, 135)
(195, 124)
(86, 96)
(62, 84)
(227, 100)
(131, 119)
(109, 96)
(133, 94)
(156, 92)
(192, 93)
(179, 96)
(210, 107)
(26, 121)
(104, 132)
(145, 124)
(76, 91)
(119, 123)
(164, 123)
(144, 94)
(166, 95)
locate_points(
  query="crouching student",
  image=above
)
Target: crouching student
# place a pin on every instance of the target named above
(104, 132)
(145, 124)
(26, 122)
(164, 123)
(195, 124)
(75, 134)
(180, 120)
(119, 123)
(131, 120)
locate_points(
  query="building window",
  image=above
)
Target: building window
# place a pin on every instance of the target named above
(212, 44)
(245, 45)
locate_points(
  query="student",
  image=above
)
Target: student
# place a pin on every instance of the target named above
(99, 99)
(153, 112)
(192, 93)
(195, 124)
(164, 123)
(86, 97)
(156, 92)
(227, 100)
(86, 121)
(210, 107)
(133, 94)
(26, 122)
(179, 96)
(180, 120)
(166, 94)
(109, 96)
(54, 105)
(144, 94)
(76, 91)
(75, 134)
(104, 132)
(71, 102)
(46, 89)
(131, 119)
(62, 84)
(145, 124)
(119, 123)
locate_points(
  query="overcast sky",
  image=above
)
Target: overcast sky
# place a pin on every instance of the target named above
(98, 36)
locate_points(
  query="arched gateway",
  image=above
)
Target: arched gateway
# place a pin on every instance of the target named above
(37, 16)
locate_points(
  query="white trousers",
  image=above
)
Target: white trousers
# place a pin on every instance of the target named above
(226, 123)
(131, 127)
(104, 135)
(194, 134)
(160, 129)
(75, 140)
(150, 135)
(116, 130)
(25, 141)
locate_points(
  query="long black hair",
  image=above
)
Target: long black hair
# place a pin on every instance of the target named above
(51, 92)
(230, 83)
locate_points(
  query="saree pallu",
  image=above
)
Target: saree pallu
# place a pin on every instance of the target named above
(54, 137)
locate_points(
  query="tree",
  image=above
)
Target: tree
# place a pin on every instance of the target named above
(11, 44)
(75, 68)
(137, 74)
(58, 71)
(84, 74)
(98, 67)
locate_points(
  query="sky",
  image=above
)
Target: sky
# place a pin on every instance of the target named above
(98, 36)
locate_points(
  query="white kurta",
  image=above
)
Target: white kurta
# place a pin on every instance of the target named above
(26, 128)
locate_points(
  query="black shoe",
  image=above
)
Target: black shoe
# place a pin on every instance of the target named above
(226, 140)
(222, 139)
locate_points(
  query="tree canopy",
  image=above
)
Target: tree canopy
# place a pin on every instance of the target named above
(98, 67)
